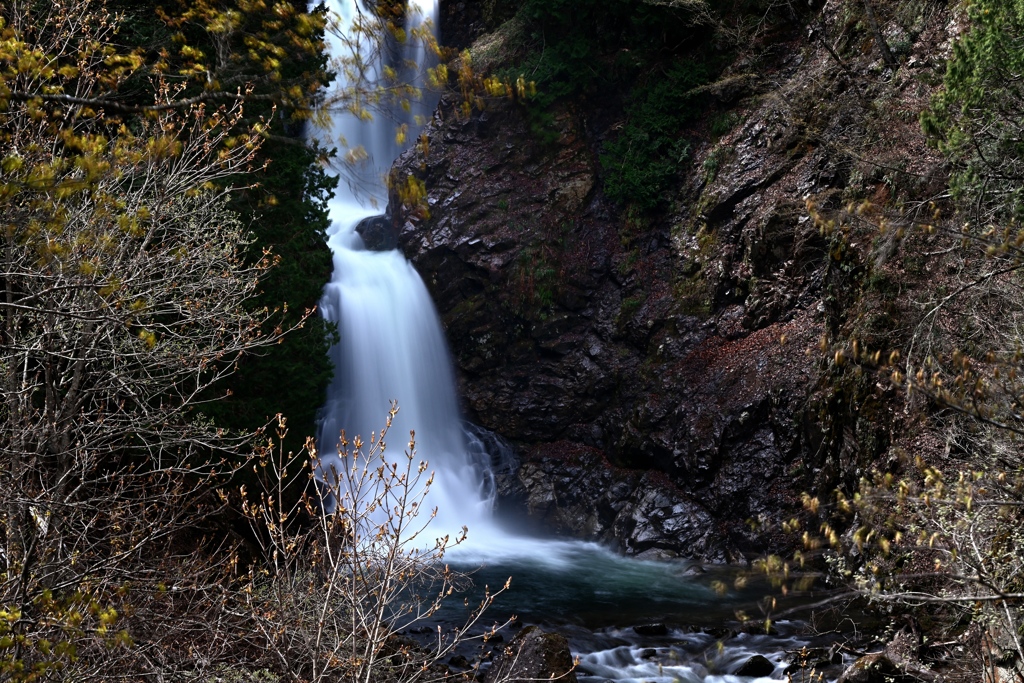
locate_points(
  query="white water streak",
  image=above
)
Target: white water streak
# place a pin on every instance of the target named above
(392, 345)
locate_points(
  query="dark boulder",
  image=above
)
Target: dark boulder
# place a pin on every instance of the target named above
(656, 629)
(757, 666)
(378, 232)
(872, 668)
(459, 662)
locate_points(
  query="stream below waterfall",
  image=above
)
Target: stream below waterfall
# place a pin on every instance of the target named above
(626, 619)
(647, 621)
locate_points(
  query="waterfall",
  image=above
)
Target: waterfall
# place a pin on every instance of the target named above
(392, 346)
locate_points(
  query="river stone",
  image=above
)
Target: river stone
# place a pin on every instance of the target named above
(656, 629)
(378, 233)
(533, 655)
(459, 662)
(756, 667)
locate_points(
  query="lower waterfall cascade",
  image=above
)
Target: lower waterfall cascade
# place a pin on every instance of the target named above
(392, 346)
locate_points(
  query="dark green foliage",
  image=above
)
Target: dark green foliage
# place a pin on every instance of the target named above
(978, 119)
(578, 47)
(658, 53)
(577, 44)
(285, 209)
(289, 216)
(608, 25)
(595, 49)
(642, 162)
(723, 122)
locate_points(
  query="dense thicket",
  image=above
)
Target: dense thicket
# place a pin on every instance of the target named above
(926, 531)
(284, 207)
(132, 287)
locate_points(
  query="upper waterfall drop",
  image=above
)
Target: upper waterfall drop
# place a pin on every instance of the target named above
(392, 345)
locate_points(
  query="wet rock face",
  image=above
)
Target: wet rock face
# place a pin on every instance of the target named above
(519, 269)
(756, 667)
(655, 373)
(573, 490)
(576, 335)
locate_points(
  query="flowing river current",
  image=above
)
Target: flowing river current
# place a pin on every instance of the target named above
(618, 613)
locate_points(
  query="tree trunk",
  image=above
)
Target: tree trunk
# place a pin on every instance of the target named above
(879, 38)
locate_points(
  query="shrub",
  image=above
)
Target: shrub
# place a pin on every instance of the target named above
(978, 118)
(349, 567)
(642, 161)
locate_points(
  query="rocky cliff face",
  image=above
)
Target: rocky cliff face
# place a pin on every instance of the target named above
(661, 376)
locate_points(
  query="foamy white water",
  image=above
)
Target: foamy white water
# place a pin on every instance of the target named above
(682, 657)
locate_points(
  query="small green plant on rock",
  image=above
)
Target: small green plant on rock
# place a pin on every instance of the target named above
(693, 292)
(630, 307)
(693, 295)
(536, 277)
(718, 156)
(723, 122)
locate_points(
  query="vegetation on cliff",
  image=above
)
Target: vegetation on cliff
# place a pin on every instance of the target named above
(930, 526)
(654, 59)
(977, 118)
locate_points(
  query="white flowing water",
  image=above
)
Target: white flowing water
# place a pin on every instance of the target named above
(392, 345)
(392, 348)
